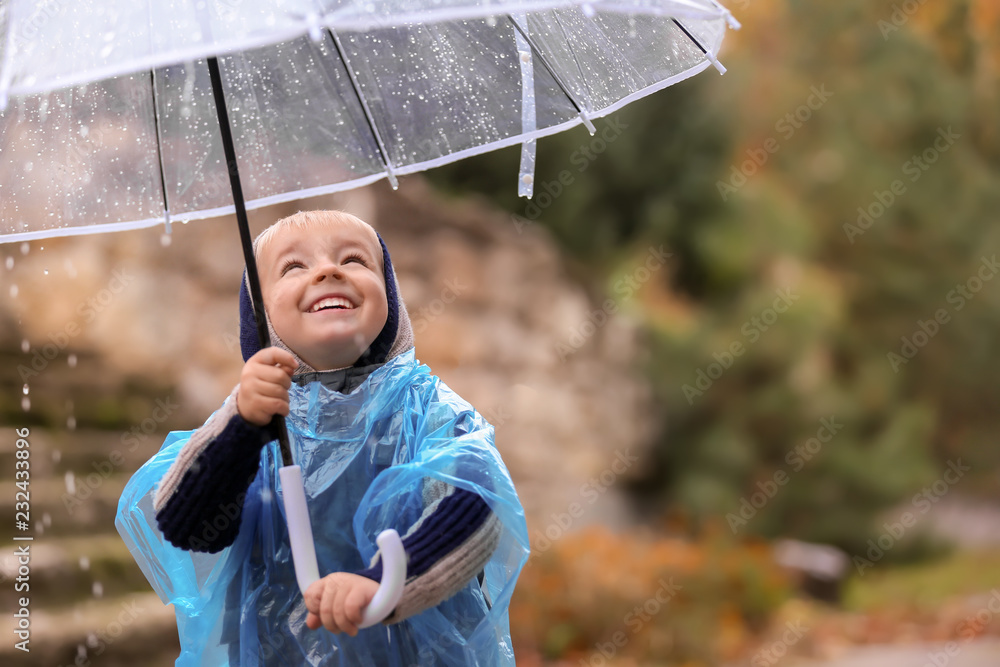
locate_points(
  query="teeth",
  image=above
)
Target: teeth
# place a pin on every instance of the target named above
(330, 302)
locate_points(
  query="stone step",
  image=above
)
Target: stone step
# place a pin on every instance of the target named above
(58, 507)
(66, 571)
(127, 631)
(82, 451)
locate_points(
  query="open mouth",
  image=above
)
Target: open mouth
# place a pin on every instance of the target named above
(332, 303)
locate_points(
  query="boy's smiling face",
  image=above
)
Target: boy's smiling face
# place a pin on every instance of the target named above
(324, 290)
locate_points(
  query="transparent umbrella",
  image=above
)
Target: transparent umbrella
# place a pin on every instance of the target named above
(110, 121)
(135, 114)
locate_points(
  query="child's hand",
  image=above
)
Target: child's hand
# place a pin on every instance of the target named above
(338, 600)
(264, 385)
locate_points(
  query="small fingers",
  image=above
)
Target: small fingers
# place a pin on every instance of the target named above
(326, 608)
(340, 612)
(276, 357)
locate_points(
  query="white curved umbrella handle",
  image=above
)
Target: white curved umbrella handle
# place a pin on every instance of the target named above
(393, 578)
(300, 532)
(304, 551)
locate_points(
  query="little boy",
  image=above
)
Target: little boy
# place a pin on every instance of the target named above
(382, 444)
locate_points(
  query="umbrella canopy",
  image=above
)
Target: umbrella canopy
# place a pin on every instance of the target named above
(110, 121)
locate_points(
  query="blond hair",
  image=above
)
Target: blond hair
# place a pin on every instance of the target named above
(308, 219)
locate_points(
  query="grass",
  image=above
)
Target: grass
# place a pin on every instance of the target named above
(924, 585)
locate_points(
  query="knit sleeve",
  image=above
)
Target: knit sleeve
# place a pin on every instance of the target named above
(199, 501)
(448, 546)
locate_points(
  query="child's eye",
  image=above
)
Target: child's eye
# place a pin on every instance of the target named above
(289, 265)
(357, 258)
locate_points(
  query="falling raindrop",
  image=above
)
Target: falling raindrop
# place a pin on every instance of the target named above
(25, 403)
(98, 589)
(10, 263)
(91, 640)
(45, 272)
(39, 527)
(165, 240)
(56, 456)
(47, 520)
(81, 652)
(25, 247)
(24, 389)
(25, 346)
(84, 563)
(70, 269)
(70, 483)
(71, 360)
(13, 291)
(71, 423)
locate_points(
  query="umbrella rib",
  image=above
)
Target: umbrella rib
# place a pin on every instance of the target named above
(278, 422)
(356, 87)
(8, 55)
(708, 54)
(569, 47)
(551, 70)
(159, 150)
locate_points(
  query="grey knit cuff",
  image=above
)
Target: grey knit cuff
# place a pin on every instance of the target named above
(200, 439)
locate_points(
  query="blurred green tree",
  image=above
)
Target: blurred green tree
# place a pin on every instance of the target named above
(825, 327)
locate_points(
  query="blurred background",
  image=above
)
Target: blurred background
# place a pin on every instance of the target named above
(739, 352)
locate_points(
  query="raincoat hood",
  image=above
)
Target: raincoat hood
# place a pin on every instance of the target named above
(366, 458)
(395, 337)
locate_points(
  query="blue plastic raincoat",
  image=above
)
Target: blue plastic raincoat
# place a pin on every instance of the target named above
(365, 458)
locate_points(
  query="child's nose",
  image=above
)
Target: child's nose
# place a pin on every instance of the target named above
(329, 270)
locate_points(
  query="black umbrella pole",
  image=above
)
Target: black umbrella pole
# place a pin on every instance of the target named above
(241, 220)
